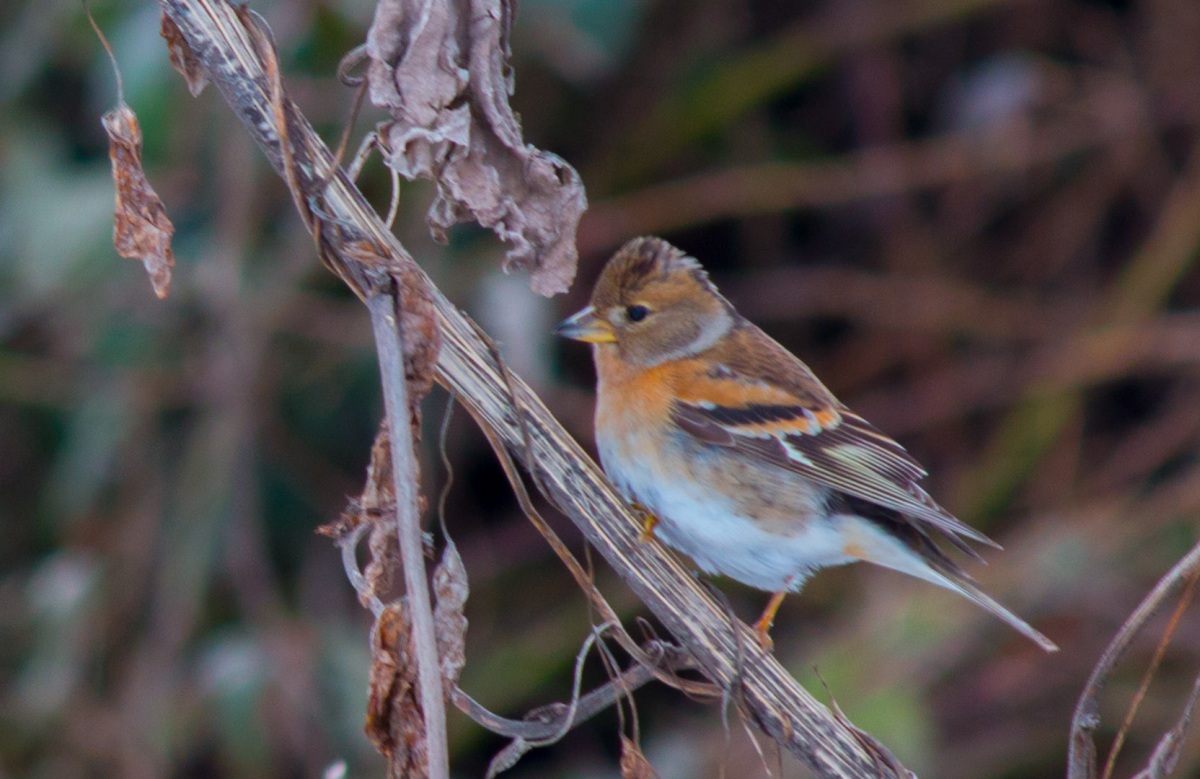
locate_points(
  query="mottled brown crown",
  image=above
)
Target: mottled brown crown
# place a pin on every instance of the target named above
(642, 262)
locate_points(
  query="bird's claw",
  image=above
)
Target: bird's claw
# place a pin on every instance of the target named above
(649, 522)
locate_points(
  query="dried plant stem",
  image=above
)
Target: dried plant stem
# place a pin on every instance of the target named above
(378, 282)
(1081, 756)
(662, 656)
(385, 321)
(725, 650)
(1115, 750)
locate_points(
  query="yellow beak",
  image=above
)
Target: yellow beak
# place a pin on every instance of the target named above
(586, 326)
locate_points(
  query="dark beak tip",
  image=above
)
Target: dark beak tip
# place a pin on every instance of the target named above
(569, 327)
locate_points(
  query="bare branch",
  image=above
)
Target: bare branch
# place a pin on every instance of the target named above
(407, 342)
(1166, 753)
(544, 722)
(385, 320)
(1081, 756)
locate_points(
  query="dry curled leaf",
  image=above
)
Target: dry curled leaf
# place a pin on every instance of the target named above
(450, 591)
(377, 496)
(394, 722)
(378, 502)
(141, 229)
(182, 57)
(440, 68)
(634, 764)
(374, 507)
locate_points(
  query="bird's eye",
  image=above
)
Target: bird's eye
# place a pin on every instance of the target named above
(637, 313)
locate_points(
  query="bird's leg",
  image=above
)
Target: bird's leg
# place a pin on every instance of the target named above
(649, 522)
(762, 628)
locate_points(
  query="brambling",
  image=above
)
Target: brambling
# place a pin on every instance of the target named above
(740, 456)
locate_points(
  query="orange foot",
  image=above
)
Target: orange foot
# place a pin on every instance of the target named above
(649, 522)
(762, 628)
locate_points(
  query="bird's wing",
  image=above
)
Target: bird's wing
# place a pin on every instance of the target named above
(756, 397)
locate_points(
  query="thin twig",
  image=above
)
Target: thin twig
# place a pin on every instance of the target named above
(348, 543)
(1159, 651)
(1081, 755)
(1166, 753)
(591, 704)
(383, 302)
(385, 321)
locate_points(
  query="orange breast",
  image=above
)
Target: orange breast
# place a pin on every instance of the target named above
(631, 402)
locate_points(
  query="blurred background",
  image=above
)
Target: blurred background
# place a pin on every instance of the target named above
(977, 220)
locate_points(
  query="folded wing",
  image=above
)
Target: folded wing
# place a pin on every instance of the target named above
(804, 429)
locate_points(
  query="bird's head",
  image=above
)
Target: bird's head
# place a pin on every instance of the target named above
(652, 303)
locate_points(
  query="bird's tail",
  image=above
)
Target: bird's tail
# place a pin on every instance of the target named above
(921, 558)
(971, 592)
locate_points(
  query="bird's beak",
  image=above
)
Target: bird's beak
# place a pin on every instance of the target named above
(586, 326)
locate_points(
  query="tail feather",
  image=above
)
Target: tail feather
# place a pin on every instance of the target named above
(918, 556)
(981, 598)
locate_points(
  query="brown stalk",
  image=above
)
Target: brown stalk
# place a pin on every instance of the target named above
(376, 278)
(385, 320)
(1148, 676)
(1081, 755)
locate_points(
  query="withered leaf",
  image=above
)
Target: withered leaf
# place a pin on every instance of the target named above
(377, 493)
(183, 59)
(378, 501)
(440, 68)
(450, 591)
(420, 336)
(394, 722)
(634, 764)
(141, 229)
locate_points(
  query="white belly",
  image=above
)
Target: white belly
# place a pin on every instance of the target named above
(698, 520)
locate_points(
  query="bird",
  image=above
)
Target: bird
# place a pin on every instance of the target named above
(735, 452)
